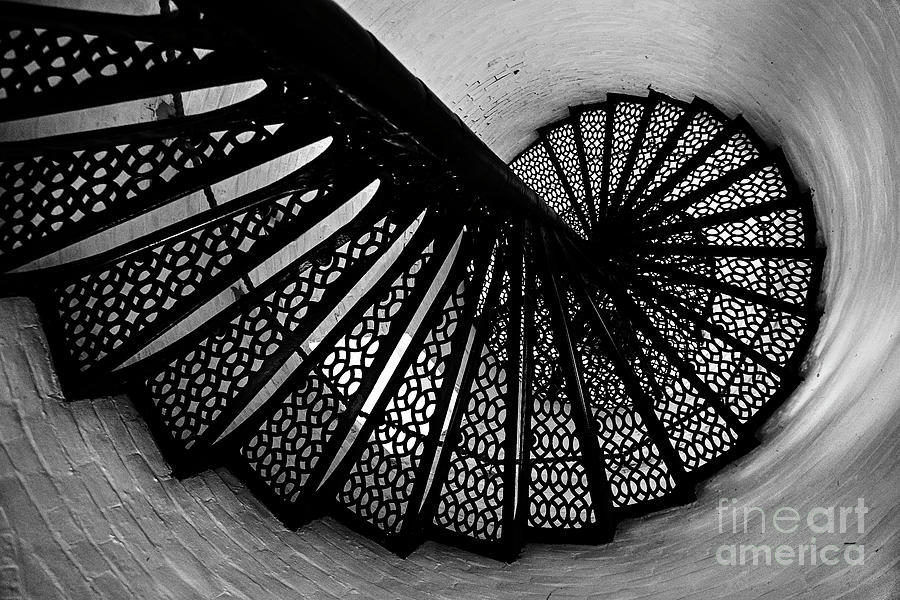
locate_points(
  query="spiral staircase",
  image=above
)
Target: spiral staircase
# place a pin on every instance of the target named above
(388, 326)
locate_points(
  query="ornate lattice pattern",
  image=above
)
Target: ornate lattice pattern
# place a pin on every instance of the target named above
(471, 498)
(355, 352)
(760, 187)
(80, 192)
(700, 132)
(696, 430)
(592, 128)
(565, 149)
(737, 151)
(106, 308)
(634, 466)
(285, 450)
(381, 483)
(197, 388)
(663, 123)
(536, 169)
(60, 59)
(627, 119)
(336, 379)
(559, 494)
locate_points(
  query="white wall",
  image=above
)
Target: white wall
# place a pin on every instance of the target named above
(91, 511)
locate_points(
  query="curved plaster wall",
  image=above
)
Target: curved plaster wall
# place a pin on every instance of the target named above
(89, 509)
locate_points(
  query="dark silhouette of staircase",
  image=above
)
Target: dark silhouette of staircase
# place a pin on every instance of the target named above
(401, 332)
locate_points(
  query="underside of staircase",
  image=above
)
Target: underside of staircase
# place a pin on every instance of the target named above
(377, 319)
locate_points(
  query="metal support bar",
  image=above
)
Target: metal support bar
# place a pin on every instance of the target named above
(466, 368)
(560, 173)
(640, 319)
(642, 402)
(655, 219)
(575, 118)
(693, 279)
(318, 38)
(663, 153)
(516, 392)
(573, 383)
(719, 251)
(674, 305)
(737, 215)
(616, 196)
